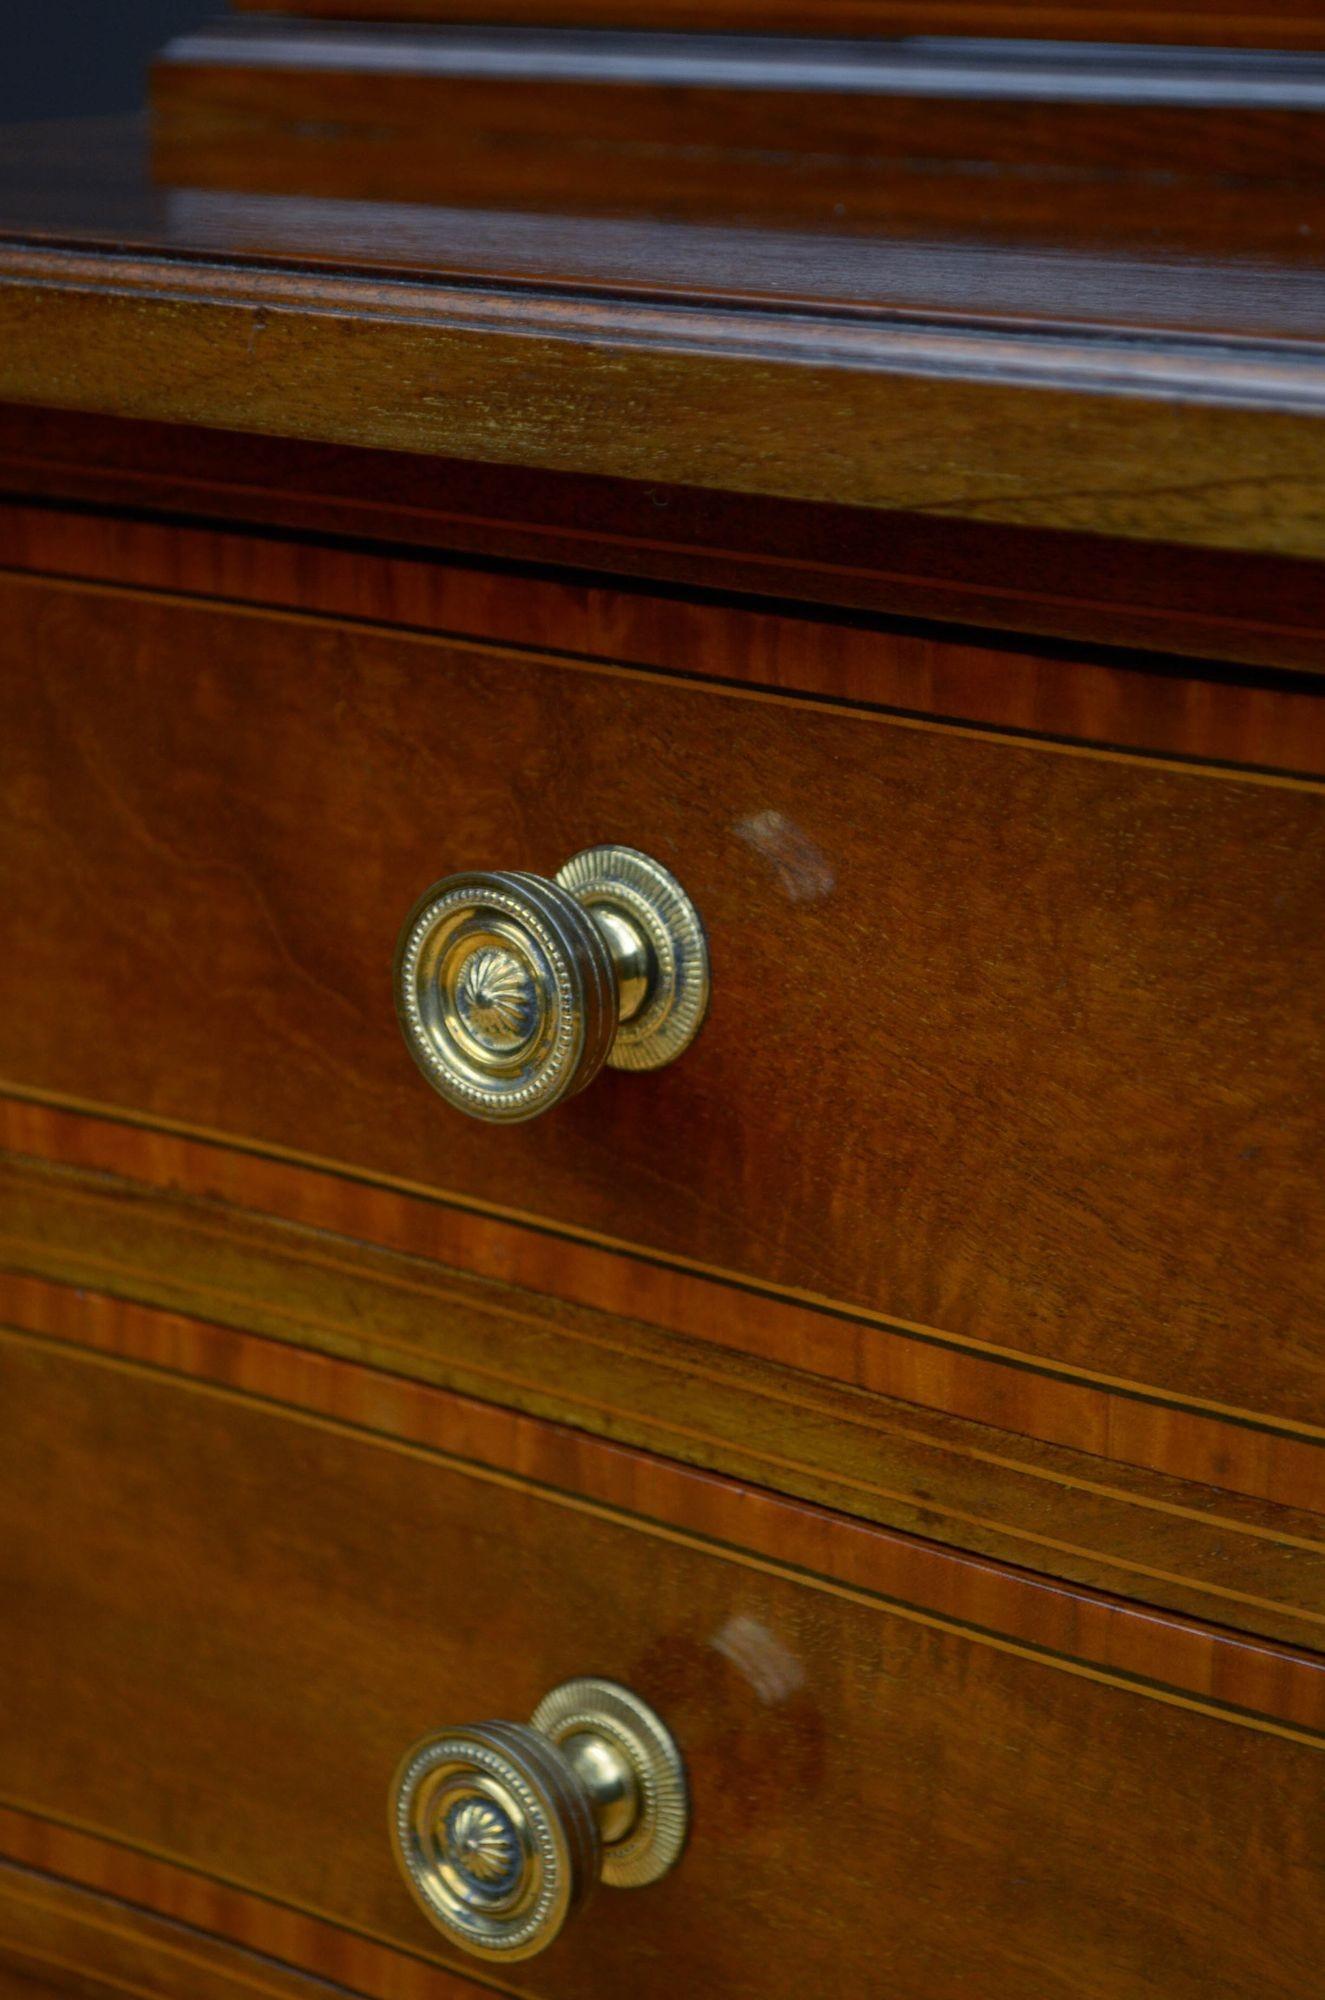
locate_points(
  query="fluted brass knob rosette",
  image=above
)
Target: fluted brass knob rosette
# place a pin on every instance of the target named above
(502, 1829)
(513, 990)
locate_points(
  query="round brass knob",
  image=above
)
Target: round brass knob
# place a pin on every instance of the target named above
(513, 990)
(502, 1829)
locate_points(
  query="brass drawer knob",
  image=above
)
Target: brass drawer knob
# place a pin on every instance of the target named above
(513, 990)
(502, 1829)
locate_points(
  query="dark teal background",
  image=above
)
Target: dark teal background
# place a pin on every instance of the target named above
(71, 58)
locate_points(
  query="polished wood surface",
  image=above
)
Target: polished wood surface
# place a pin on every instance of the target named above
(74, 1907)
(1234, 263)
(978, 416)
(996, 1487)
(941, 1373)
(1116, 700)
(841, 136)
(16, 1984)
(1272, 1688)
(612, 535)
(967, 1379)
(1286, 24)
(56, 1938)
(881, 477)
(282, 1687)
(847, 413)
(1069, 1113)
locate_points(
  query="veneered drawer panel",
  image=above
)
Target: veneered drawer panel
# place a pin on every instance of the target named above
(1010, 1041)
(229, 1617)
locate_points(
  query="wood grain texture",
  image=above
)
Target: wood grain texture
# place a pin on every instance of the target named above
(15, 1984)
(740, 128)
(183, 1933)
(1236, 264)
(238, 1188)
(1072, 431)
(56, 1938)
(1118, 700)
(1070, 1113)
(1049, 252)
(1254, 609)
(1289, 24)
(282, 1680)
(1165, 1541)
(1261, 1685)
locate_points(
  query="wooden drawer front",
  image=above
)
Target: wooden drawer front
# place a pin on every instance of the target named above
(1292, 24)
(1013, 1042)
(226, 1619)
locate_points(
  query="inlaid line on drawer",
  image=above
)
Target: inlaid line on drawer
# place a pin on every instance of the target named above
(168, 1901)
(146, 1879)
(319, 1589)
(854, 707)
(1189, 1547)
(126, 1949)
(1253, 1683)
(1042, 1081)
(1146, 703)
(1134, 1422)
